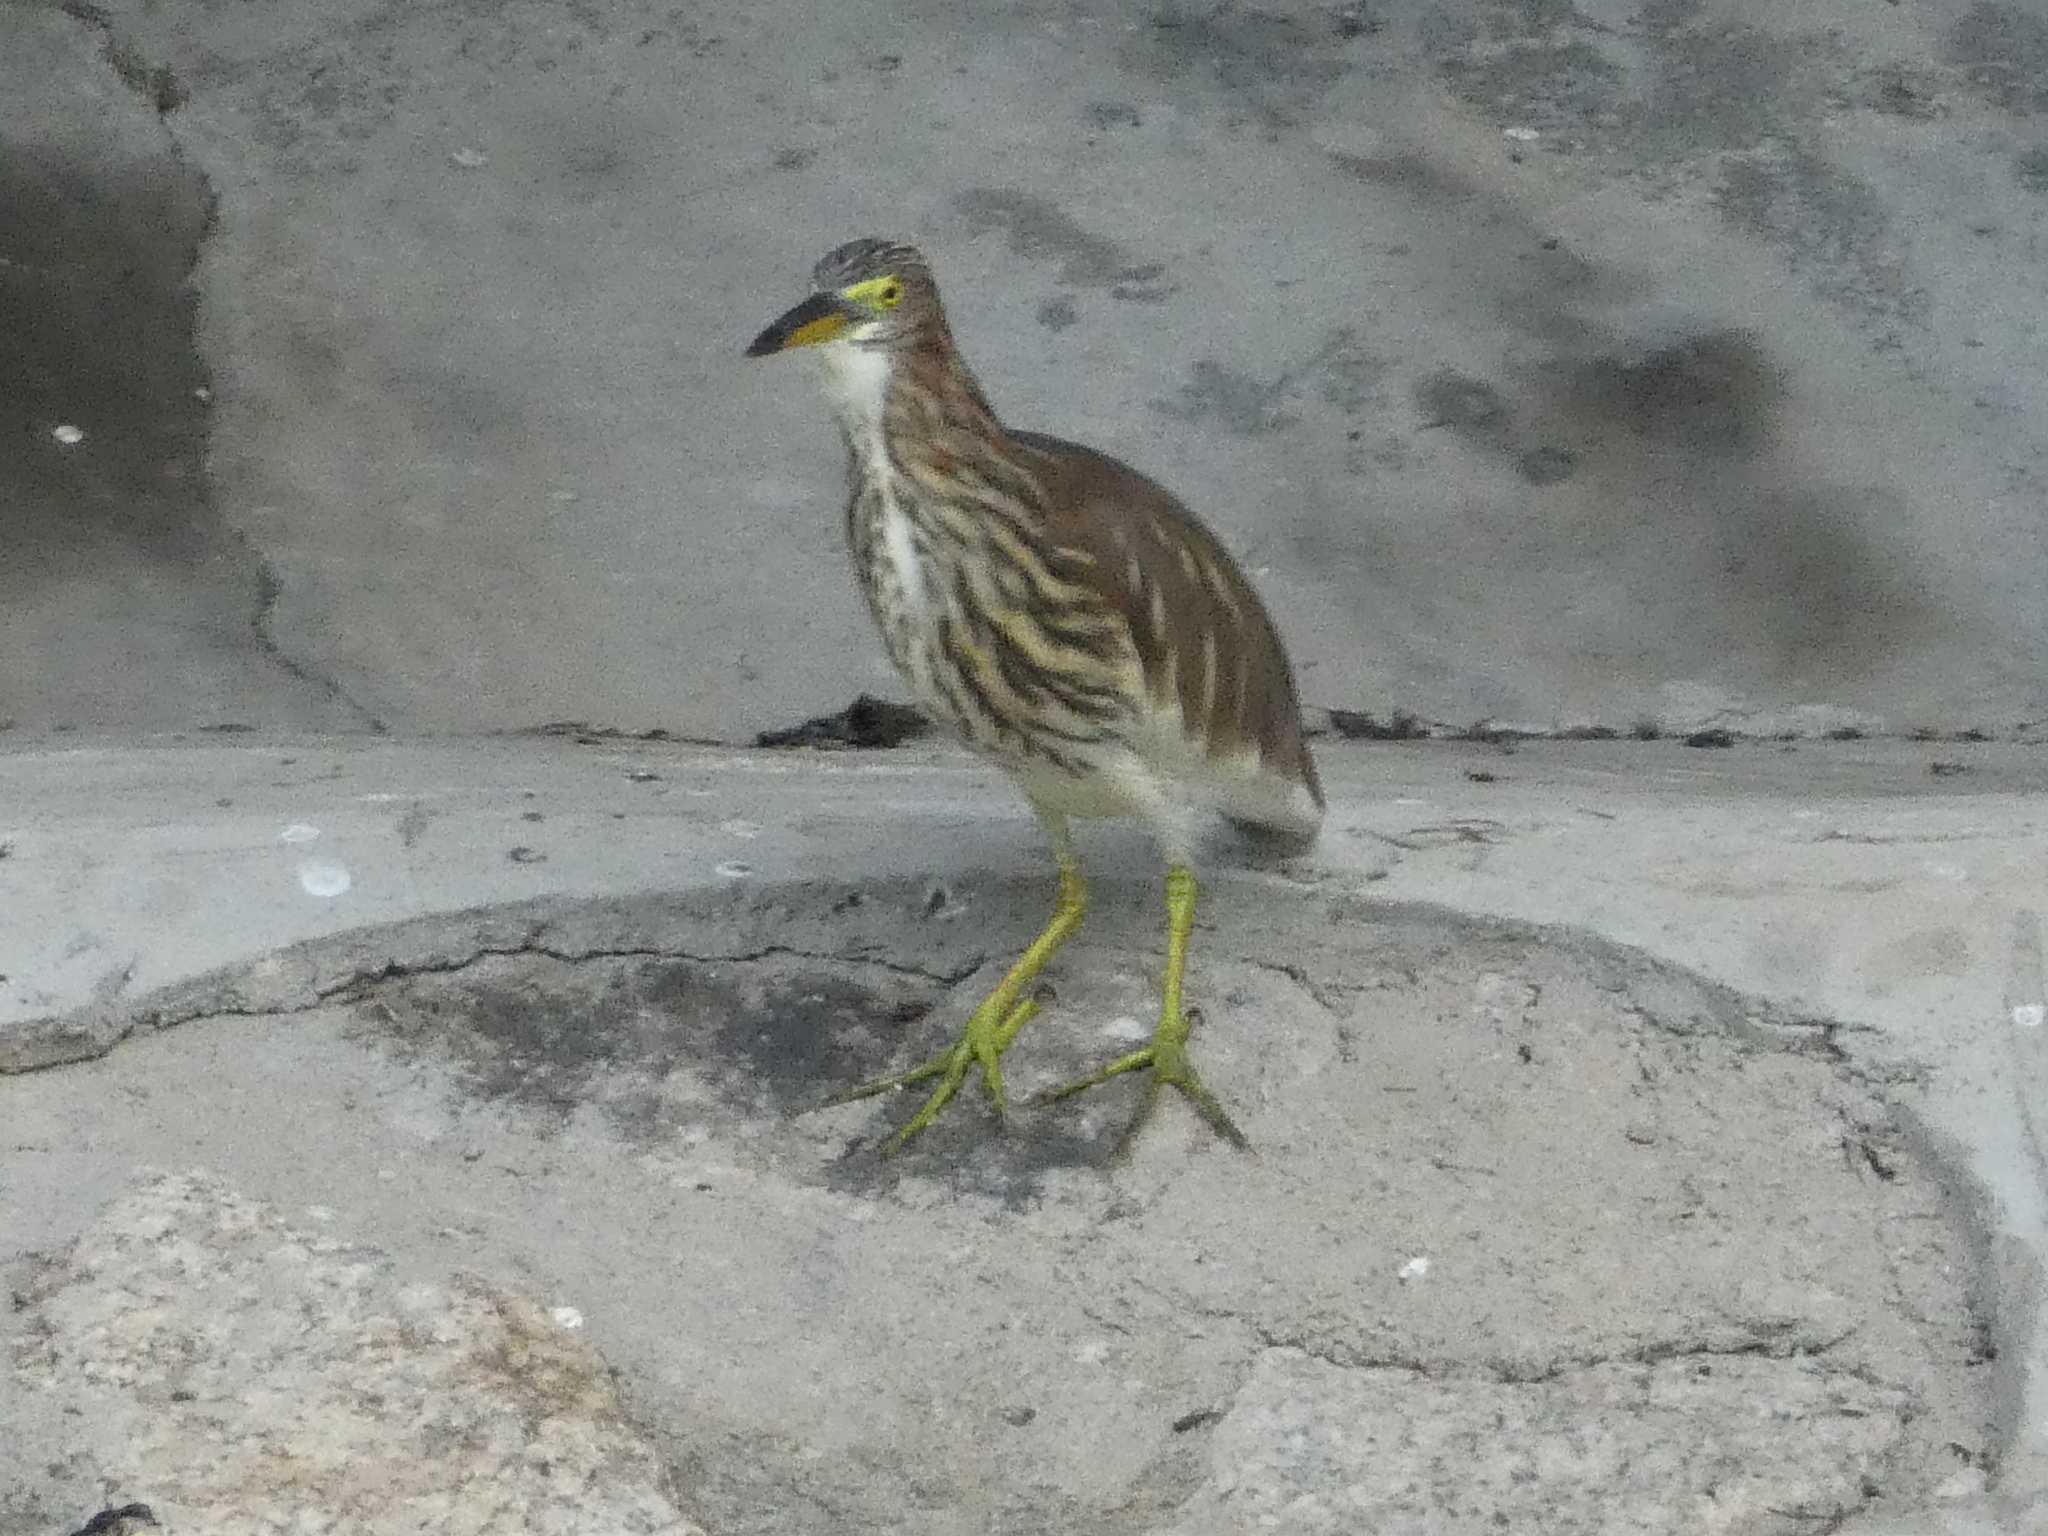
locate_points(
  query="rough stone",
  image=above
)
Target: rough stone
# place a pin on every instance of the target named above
(242, 1373)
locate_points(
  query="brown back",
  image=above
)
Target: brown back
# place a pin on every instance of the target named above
(1176, 585)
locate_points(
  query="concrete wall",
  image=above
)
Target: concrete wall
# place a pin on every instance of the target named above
(1543, 363)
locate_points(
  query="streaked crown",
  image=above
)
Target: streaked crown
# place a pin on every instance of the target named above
(859, 260)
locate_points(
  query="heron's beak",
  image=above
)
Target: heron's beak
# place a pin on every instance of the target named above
(819, 318)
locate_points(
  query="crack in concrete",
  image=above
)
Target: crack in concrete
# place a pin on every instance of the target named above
(1763, 1027)
(363, 981)
(1767, 1340)
(1772, 1339)
(159, 86)
(1318, 991)
(268, 589)
(242, 991)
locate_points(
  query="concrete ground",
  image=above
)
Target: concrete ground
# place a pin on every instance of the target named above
(402, 1127)
(1640, 1144)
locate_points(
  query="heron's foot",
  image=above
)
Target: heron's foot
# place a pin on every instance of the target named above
(1167, 1057)
(988, 1033)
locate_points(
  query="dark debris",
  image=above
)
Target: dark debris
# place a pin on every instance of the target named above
(868, 722)
(1356, 725)
(585, 734)
(118, 1522)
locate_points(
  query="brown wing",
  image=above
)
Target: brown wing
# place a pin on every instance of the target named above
(1203, 637)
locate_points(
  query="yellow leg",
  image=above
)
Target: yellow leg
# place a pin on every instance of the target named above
(1167, 1055)
(993, 1025)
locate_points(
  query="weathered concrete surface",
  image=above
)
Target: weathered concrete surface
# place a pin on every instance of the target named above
(255, 1374)
(1713, 393)
(1652, 1264)
(1684, 1444)
(1504, 1174)
(127, 598)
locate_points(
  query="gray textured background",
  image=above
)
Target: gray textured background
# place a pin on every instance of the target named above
(1719, 397)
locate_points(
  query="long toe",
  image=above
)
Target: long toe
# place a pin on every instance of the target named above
(949, 1084)
(1210, 1107)
(936, 1067)
(1166, 1064)
(982, 1044)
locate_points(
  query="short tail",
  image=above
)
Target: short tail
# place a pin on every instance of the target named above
(1275, 842)
(1277, 816)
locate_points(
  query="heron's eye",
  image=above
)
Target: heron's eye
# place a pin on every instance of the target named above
(890, 294)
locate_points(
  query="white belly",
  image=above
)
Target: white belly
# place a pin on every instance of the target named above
(901, 563)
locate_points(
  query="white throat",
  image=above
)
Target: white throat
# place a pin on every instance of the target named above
(857, 383)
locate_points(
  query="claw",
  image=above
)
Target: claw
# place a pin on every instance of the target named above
(979, 1044)
(882, 1085)
(1167, 1057)
(993, 1025)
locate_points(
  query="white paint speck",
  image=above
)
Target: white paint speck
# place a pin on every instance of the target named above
(1416, 1267)
(68, 435)
(733, 869)
(2029, 1015)
(469, 159)
(1521, 135)
(298, 832)
(317, 877)
(1125, 1027)
(739, 826)
(1094, 1352)
(566, 1317)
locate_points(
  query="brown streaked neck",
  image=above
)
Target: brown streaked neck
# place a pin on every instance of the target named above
(939, 387)
(916, 402)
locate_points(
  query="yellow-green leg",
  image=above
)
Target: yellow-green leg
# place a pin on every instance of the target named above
(993, 1025)
(1167, 1055)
